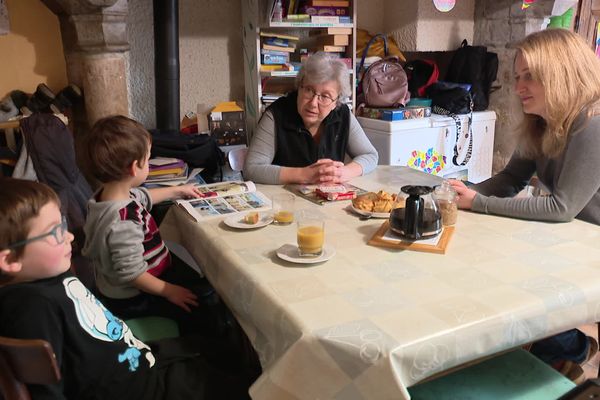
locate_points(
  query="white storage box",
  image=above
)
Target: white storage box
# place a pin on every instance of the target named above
(427, 144)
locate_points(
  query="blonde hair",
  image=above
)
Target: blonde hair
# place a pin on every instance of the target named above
(569, 71)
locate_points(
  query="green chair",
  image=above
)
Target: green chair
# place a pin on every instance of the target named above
(510, 376)
(153, 328)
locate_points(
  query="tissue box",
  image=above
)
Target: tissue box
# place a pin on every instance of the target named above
(226, 124)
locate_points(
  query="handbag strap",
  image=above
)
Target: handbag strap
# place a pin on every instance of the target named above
(373, 39)
(468, 135)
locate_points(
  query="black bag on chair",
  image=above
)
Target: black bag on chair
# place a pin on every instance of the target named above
(198, 151)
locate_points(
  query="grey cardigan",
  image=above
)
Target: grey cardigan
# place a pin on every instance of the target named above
(573, 180)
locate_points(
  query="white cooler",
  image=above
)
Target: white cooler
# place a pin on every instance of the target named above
(427, 144)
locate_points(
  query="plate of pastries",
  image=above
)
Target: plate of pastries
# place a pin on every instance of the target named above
(376, 204)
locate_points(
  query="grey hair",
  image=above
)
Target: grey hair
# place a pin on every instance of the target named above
(321, 67)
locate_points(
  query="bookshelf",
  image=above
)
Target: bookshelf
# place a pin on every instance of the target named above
(256, 19)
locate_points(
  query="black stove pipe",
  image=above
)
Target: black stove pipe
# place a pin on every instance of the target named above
(166, 64)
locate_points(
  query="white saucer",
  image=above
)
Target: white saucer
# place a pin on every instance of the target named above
(289, 252)
(237, 221)
(369, 213)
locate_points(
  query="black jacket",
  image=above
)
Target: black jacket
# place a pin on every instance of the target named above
(50, 145)
(295, 146)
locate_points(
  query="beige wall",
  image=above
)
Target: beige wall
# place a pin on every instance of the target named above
(210, 44)
(32, 52)
(210, 52)
(419, 26)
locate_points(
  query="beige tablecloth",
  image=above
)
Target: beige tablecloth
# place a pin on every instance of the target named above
(371, 322)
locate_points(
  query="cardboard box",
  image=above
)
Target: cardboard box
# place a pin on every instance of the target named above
(226, 124)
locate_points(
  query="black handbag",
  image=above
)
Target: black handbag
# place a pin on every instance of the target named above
(197, 150)
(455, 98)
(450, 99)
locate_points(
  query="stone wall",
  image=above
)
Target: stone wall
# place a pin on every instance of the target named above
(498, 24)
(4, 26)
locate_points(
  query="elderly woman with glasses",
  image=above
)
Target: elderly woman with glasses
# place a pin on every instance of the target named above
(305, 136)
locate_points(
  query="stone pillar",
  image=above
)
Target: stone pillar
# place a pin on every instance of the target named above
(96, 51)
(499, 24)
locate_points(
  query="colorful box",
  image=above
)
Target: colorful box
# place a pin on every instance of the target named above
(227, 125)
(396, 114)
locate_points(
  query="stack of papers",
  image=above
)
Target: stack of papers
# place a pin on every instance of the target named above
(171, 172)
(166, 169)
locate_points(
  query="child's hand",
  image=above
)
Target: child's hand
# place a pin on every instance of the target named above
(181, 296)
(187, 191)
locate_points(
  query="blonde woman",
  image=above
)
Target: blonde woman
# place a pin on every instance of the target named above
(305, 136)
(557, 79)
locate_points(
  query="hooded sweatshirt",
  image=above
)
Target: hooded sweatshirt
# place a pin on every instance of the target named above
(123, 242)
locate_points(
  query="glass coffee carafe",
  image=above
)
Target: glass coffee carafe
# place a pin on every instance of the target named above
(419, 218)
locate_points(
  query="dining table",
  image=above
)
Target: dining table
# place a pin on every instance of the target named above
(371, 322)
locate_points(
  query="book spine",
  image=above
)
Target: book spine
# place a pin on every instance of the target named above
(324, 19)
(273, 52)
(329, 3)
(275, 41)
(275, 59)
(325, 11)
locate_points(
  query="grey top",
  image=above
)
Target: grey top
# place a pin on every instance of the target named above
(259, 168)
(114, 233)
(573, 180)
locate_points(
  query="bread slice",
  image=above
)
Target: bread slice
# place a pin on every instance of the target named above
(251, 218)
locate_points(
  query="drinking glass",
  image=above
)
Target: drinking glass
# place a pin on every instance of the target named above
(283, 208)
(310, 236)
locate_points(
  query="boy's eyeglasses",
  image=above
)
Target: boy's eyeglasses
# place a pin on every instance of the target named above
(57, 235)
(322, 99)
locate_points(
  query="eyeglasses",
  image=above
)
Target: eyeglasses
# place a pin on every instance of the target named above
(322, 99)
(58, 234)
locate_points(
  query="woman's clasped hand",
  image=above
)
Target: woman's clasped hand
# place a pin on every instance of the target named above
(326, 171)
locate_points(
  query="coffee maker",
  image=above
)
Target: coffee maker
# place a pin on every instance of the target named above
(419, 218)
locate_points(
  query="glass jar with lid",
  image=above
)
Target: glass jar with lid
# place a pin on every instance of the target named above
(446, 199)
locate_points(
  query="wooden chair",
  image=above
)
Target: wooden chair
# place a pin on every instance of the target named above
(25, 361)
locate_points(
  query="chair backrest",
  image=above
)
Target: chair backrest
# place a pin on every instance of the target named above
(25, 361)
(237, 158)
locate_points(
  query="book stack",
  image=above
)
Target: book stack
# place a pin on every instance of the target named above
(333, 41)
(314, 11)
(275, 52)
(167, 169)
(330, 8)
(327, 11)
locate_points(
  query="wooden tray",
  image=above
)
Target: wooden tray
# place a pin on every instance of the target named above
(439, 248)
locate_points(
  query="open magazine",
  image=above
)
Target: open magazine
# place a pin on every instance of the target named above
(224, 198)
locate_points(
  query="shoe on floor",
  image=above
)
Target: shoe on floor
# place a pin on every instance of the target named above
(592, 349)
(573, 372)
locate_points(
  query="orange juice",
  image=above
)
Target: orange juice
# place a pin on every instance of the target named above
(284, 217)
(310, 240)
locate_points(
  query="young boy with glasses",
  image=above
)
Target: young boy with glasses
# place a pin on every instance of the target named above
(97, 353)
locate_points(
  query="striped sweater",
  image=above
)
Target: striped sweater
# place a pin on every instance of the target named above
(123, 241)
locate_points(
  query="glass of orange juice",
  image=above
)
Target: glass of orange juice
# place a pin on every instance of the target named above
(283, 208)
(310, 235)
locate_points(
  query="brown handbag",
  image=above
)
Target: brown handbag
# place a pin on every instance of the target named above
(384, 83)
